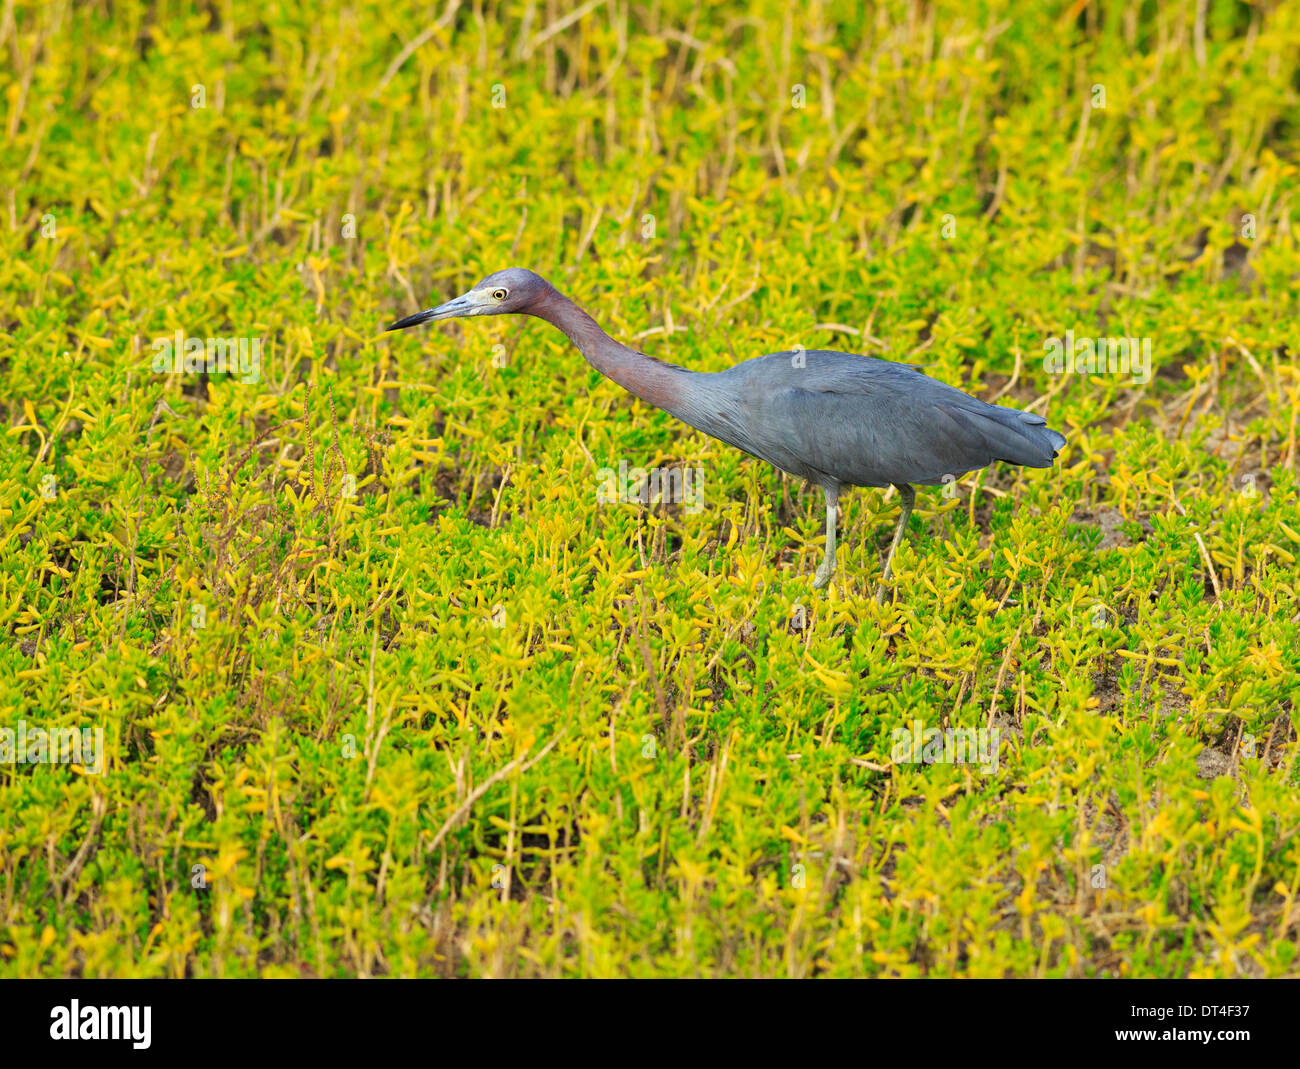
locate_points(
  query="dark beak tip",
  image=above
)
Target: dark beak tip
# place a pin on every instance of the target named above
(410, 321)
(450, 310)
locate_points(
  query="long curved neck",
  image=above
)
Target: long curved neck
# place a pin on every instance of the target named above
(656, 383)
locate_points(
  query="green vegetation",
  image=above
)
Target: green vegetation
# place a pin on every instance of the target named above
(363, 644)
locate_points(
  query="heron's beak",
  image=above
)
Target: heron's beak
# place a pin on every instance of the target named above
(458, 307)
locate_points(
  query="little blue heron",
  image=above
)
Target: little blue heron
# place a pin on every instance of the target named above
(834, 419)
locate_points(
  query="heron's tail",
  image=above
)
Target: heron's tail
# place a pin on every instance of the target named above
(1011, 435)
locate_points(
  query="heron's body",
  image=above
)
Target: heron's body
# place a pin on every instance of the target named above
(835, 419)
(839, 419)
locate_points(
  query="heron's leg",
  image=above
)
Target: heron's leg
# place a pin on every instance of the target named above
(909, 499)
(827, 568)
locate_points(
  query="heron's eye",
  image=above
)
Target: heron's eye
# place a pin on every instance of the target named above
(499, 295)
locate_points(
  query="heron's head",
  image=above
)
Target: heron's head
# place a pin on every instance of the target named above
(503, 292)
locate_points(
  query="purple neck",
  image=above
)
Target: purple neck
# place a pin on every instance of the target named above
(658, 384)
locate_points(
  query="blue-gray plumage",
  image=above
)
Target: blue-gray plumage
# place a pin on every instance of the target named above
(835, 419)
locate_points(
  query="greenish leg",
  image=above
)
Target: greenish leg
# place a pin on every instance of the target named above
(909, 499)
(827, 568)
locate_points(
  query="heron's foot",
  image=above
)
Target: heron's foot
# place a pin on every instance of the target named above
(881, 590)
(824, 574)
